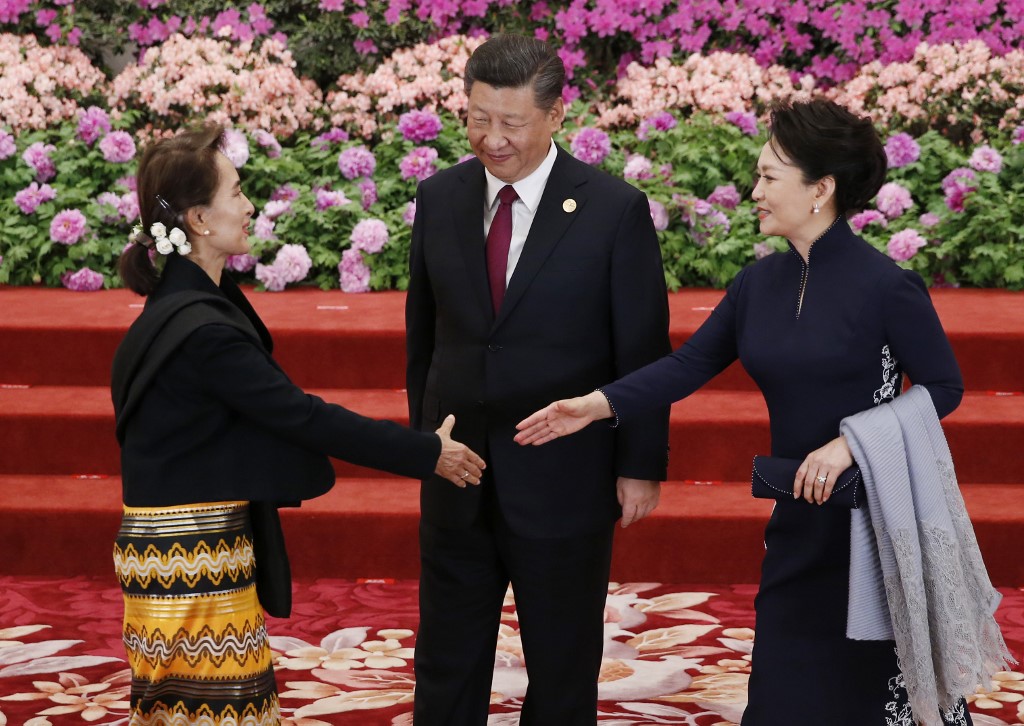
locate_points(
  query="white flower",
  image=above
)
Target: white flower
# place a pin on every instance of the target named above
(133, 237)
(158, 230)
(177, 237)
(184, 248)
(164, 246)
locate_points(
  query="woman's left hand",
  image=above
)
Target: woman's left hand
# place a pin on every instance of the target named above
(817, 475)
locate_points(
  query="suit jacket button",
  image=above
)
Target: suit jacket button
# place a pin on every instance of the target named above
(494, 347)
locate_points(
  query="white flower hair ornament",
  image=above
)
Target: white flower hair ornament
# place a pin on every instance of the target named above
(165, 242)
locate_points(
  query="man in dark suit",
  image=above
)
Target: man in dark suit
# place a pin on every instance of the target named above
(585, 303)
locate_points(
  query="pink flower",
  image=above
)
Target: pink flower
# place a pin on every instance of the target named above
(409, 215)
(985, 158)
(762, 250)
(356, 162)
(29, 198)
(327, 138)
(275, 208)
(368, 190)
(236, 147)
(744, 120)
(38, 157)
(370, 235)
(285, 192)
(419, 126)
(638, 167)
(1018, 135)
(591, 146)
(271, 277)
(725, 196)
(659, 215)
(869, 216)
(893, 200)
(263, 228)
(332, 5)
(84, 280)
(905, 244)
(365, 47)
(901, 149)
(353, 272)
(118, 147)
(959, 178)
(662, 121)
(128, 206)
(7, 146)
(360, 19)
(67, 227)
(326, 198)
(240, 263)
(294, 262)
(929, 220)
(269, 142)
(418, 164)
(93, 123)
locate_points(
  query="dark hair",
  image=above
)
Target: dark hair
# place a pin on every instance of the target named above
(175, 174)
(512, 61)
(824, 139)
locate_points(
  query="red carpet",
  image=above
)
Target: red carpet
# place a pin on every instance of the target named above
(59, 485)
(673, 655)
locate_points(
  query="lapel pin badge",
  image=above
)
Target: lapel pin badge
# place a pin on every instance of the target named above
(569, 205)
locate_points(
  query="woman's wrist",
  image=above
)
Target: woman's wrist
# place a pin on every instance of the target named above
(599, 406)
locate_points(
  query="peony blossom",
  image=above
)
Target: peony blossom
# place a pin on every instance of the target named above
(268, 141)
(662, 121)
(409, 215)
(7, 146)
(1018, 136)
(236, 147)
(869, 216)
(353, 272)
(294, 262)
(591, 146)
(37, 156)
(128, 206)
(240, 263)
(744, 121)
(275, 208)
(368, 191)
(285, 192)
(638, 167)
(84, 280)
(419, 126)
(327, 138)
(659, 215)
(356, 161)
(901, 149)
(29, 198)
(893, 200)
(326, 198)
(929, 220)
(118, 147)
(905, 244)
(985, 158)
(762, 250)
(271, 277)
(68, 227)
(370, 235)
(418, 164)
(93, 123)
(263, 228)
(725, 196)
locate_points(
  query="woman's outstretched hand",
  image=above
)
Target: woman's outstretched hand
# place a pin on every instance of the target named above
(457, 463)
(562, 418)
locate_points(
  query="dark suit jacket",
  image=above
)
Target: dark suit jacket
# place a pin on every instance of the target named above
(221, 421)
(586, 304)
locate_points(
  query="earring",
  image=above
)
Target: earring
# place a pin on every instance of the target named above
(815, 209)
(206, 232)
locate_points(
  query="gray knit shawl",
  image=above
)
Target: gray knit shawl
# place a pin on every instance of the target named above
(916, 573)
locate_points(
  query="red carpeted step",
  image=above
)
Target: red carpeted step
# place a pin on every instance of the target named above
(337, 340)
(714, 434)
(368, 528)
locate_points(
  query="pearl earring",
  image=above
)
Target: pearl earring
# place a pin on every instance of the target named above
(206, 232)
(815, 210)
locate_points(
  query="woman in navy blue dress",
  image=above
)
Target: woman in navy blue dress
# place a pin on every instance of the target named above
(826, 330)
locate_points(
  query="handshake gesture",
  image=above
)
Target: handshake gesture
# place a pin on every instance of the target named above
(562, 418)
(457, 463)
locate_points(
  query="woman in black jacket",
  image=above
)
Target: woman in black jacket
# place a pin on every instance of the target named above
(214, 437)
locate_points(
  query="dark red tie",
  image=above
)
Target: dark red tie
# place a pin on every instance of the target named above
(499, 238)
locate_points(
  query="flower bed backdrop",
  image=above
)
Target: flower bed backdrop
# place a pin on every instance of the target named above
(338, 108)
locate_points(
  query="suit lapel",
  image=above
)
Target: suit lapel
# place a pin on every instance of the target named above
(549, 225)
(468, 209)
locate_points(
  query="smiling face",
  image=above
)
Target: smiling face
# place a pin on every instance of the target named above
(221, 228)
(507, 132)
(785, 202)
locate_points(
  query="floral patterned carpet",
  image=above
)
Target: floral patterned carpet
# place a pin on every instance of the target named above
(673, 655)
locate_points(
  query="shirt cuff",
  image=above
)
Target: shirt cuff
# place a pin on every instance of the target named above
(614, 424)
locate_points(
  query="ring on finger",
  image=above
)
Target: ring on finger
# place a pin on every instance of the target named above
(822, 478)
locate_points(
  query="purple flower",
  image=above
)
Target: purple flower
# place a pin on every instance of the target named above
(354, 274)
(659, 215)
(38, 157)
(1018, 135)
(662, 121)
(368, 189)
(128, 182)
(419, 126)
(929, 220)
(275, 208)
(263, 228)
(370, 235)
(901, 149)
(356, 162)
(110, 201)
(985, 158)
(240, 263)
(365, 47)
(294, 262)
(638, 167)
(236, 147)
(267, 141)
(591, 146)
(7, 145)
(744, 121)
(905, 244)
(409, 215)
(29, 198)
(118, 147)
(67, 227)
(325, 199)
(271, 276)
(959, 178)
(85, 280)
(93, 123)
(762, 250)
(327, 138)
(128, 206)
(286, 193)
(725, 196)
(868, 216)
(893, 200)
(418, 164)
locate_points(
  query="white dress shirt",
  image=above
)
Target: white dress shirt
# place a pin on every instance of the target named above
(530, 190)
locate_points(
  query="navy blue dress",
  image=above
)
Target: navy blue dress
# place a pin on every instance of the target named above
(822, 340)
